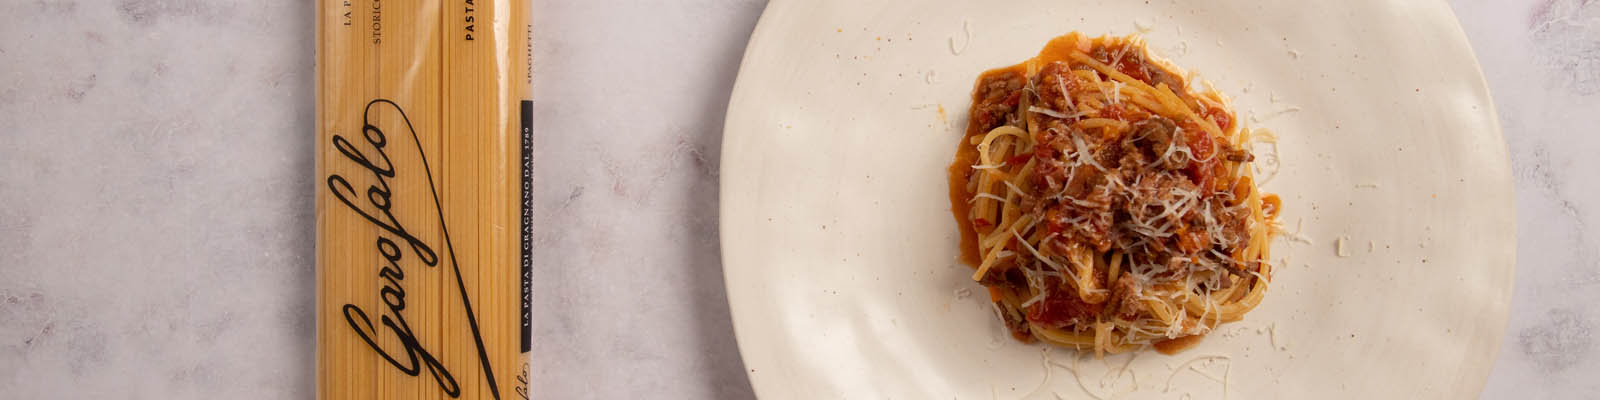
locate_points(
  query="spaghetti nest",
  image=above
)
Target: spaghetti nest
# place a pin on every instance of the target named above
(1106, 204)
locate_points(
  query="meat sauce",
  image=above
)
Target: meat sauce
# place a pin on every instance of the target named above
(996, 99)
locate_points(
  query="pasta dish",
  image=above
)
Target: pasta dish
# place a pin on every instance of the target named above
(1106, 203)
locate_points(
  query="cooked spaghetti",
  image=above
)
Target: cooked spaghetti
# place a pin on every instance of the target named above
(1106, 203)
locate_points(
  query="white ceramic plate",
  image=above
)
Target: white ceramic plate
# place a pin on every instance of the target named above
(840, 251)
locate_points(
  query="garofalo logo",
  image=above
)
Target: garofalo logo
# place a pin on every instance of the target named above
(396, 243)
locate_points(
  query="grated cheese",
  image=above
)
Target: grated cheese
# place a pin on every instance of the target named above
(1053, 113)
(966, 27)
(996, 342)
(1272, 335)
(1077, 377)
(1116, 376)
(1205, 374)
(1295, 236)
(1274, 114)
(1084, 155)
(1044, 361)
(1041, 257)
(1142, 24)
(1035, 299)
(1014, 189)
(1186, 366)
(1065, 97)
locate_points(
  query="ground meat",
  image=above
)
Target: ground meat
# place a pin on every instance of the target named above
(1201, 152)
(1080, 200)
(1192, 241)
(1235, 224)
(1124, 301)
(1015, 322)
(1093, 227)
(1146, 209)
(1049, 169)
(1101, 53)
(1153, 136)
(1010, 283)
(1062, 308)
(1004, 275)
(1235, 154)
(997, 97)
(1194, 154)
(1135, 63)
(1050, 81)
(1156, 75)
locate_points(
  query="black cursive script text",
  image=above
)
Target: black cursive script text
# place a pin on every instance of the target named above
(378, 209)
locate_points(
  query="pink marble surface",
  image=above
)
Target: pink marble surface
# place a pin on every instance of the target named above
(155, 197)
(1542, 61)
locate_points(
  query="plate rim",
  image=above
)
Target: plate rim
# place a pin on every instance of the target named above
(742, 82)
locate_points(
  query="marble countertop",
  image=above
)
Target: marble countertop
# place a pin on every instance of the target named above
(156, 212)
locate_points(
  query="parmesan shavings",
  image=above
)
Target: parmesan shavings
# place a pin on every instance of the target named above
(1272, 336)
(996, 341)
(1082, 151)
(1275, 114)
(986, 196)
(1268, 159)
(966, 27)
(1014, 188)
(1044, 361)
(1035, 299)
(1186, 366)
(1114, 374)
(1294, 236)
(1041, 257)
(1142, 24)
(1053, 113)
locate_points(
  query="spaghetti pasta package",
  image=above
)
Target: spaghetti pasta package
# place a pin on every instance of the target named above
(422, 229)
